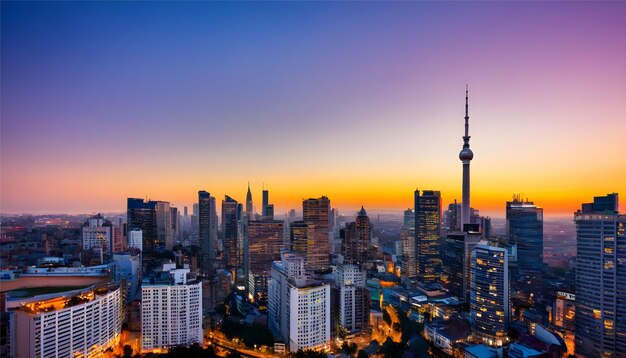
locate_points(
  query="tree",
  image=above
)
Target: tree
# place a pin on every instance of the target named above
(128, 351)
(362, 354)
(349, 348)
(234, 355)
(391, 349)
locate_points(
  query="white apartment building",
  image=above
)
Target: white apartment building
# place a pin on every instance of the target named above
(353, 303)
(171, 310)
(82, 323)
(299, 309)
(98, 233)
(135, 239)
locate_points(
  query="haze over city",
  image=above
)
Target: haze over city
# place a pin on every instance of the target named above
(362, 102)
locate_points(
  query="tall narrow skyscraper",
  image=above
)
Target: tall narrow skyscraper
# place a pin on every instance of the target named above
(316, 216)
(356, 237)
(249, 206)
(427, 233)
(407, 235)
(142, 216)
(230, 216)
(204, 230)
(601, 279)
(266, 202)
(466, 156)
(524, 228)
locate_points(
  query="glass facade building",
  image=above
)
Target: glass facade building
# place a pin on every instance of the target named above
(601, 279)
(231, 212)
(265, 242)
(316, 214)
(489, 295)
(427, 233)
(524, 228)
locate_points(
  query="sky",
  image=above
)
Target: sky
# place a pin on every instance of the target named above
(359, 101)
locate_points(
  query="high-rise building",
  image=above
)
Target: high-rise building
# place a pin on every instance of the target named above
(601, 278)
(524, 228)
(490, 306)
(174, 228)
(354, 298)
(298, 236)
(249, 204)
(207, 246)
(135, 239)
(356, 237)
(456, 257)
(98, 233)
(171, 310)
(407, 235)
(142, 216)
(266, 202)
(299, 308)
(164, 225)
(230, 217)
(453, 217)
(78, 323)
(466, 155)
(265, 242)
(427, 233)
(315, 215)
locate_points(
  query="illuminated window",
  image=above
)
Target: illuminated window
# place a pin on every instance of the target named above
(608, 265)
(608, 324)
(597, 314)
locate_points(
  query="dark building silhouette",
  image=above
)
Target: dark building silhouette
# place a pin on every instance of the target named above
(356, 238)
(231, 212)
(207, 247)
(142, 215)
(524, 228)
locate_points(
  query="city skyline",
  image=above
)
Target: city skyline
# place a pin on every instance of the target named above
(368, 108)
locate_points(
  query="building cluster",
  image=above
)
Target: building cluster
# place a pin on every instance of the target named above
(69, 284)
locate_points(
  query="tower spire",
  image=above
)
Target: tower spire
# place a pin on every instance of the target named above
(466, 138)
(466, 156)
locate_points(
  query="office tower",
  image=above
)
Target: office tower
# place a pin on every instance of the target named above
(230, 217)
(204, 231)
(163, 225)
(524, 228)
(466, 155)
(356, 237)
(407, 235)
(79, 323)
(354, 299)
(98, 233)
(315, 215)
(427, 233)
(291, 217)
(264, 244)
(332, 219)
(174, 228)
(601, 278)
(489, 298)
(135, 239)
(298, 237)
(299, 308)
(485, 226)
(266, 202)
(171, 310)
(453, 217)
(142, 216)
(249, 205)
(127, 272)
(456, 257)
(213, 224)
(269, 212)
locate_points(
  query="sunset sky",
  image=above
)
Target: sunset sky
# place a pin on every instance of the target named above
(359, 101)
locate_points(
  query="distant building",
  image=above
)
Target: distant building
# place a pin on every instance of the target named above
(354, 298)
(407, 235)
(164, 236)
(490, 306)
(249, 204)
(265, 242)
(316, 215)
(427, 233)
(453, 217)
(299, 309)
(171, 310)
(524, 228)
(98, 233)
(356, 238)
(84, 322)
(207, 246)
(601, 278)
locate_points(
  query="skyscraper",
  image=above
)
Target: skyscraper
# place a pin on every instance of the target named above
(316, 215)
(230, 217)
(524, 228)
(601, 278)
(266, 195)
(356, 237)
(249, 205)
(142, 216)
(265, 242)
(427, 233)
(204, 228)
(453, 217)
(354, 298)
(466, 155)
(489, 295)
(407, 235)
(163, 224)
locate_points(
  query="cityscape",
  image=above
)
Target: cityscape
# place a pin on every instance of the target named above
(313, 179)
